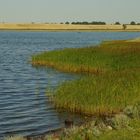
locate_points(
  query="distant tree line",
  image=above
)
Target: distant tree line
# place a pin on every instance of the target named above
(86, 23)
(98, 23)
(90, 23)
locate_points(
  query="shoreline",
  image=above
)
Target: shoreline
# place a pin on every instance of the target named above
(67, 30)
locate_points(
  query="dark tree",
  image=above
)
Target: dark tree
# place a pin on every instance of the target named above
(117, 23)
(67, 22)
(132, 23)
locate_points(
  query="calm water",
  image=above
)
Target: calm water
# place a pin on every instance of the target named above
(24, 106)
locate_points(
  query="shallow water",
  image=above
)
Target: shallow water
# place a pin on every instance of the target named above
(24, 106)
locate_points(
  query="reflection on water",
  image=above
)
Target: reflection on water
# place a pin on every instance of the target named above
(24, 106)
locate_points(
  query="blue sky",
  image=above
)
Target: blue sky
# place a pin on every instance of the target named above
(109, 11)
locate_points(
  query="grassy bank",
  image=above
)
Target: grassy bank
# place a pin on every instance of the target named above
(89, 132)
(104, 94)
(93, 132)
(114, 85)
(115, 55)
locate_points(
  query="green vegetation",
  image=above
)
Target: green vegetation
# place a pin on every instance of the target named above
(132, 23)
(123, 134)
(89, 23)
(114, 85)
(92, 133)
(109, 88)
(119, 127)
(67, 22)
(103, 94)
(117, 23)
(116, 55)
(110, 85)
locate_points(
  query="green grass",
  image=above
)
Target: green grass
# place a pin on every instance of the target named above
(121, 135)
(103, 94)
(89, 132)
(132, 133)
(114, 55)
(116, 85)
(115, 135)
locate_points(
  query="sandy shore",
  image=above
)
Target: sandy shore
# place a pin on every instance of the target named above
(69, 27)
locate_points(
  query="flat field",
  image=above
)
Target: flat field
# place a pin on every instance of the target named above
(65, 27)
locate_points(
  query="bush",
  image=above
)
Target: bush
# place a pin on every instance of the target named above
(117, 23)
(67, 22)
(132, 23)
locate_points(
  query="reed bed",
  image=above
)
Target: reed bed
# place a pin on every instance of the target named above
(113, 80)
(101, 95)
(114, 55)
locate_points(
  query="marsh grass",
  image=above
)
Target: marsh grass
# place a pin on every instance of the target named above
(111, 55)
(114, 85)
(100, 95)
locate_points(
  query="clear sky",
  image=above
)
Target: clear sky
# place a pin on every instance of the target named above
(109, 11)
